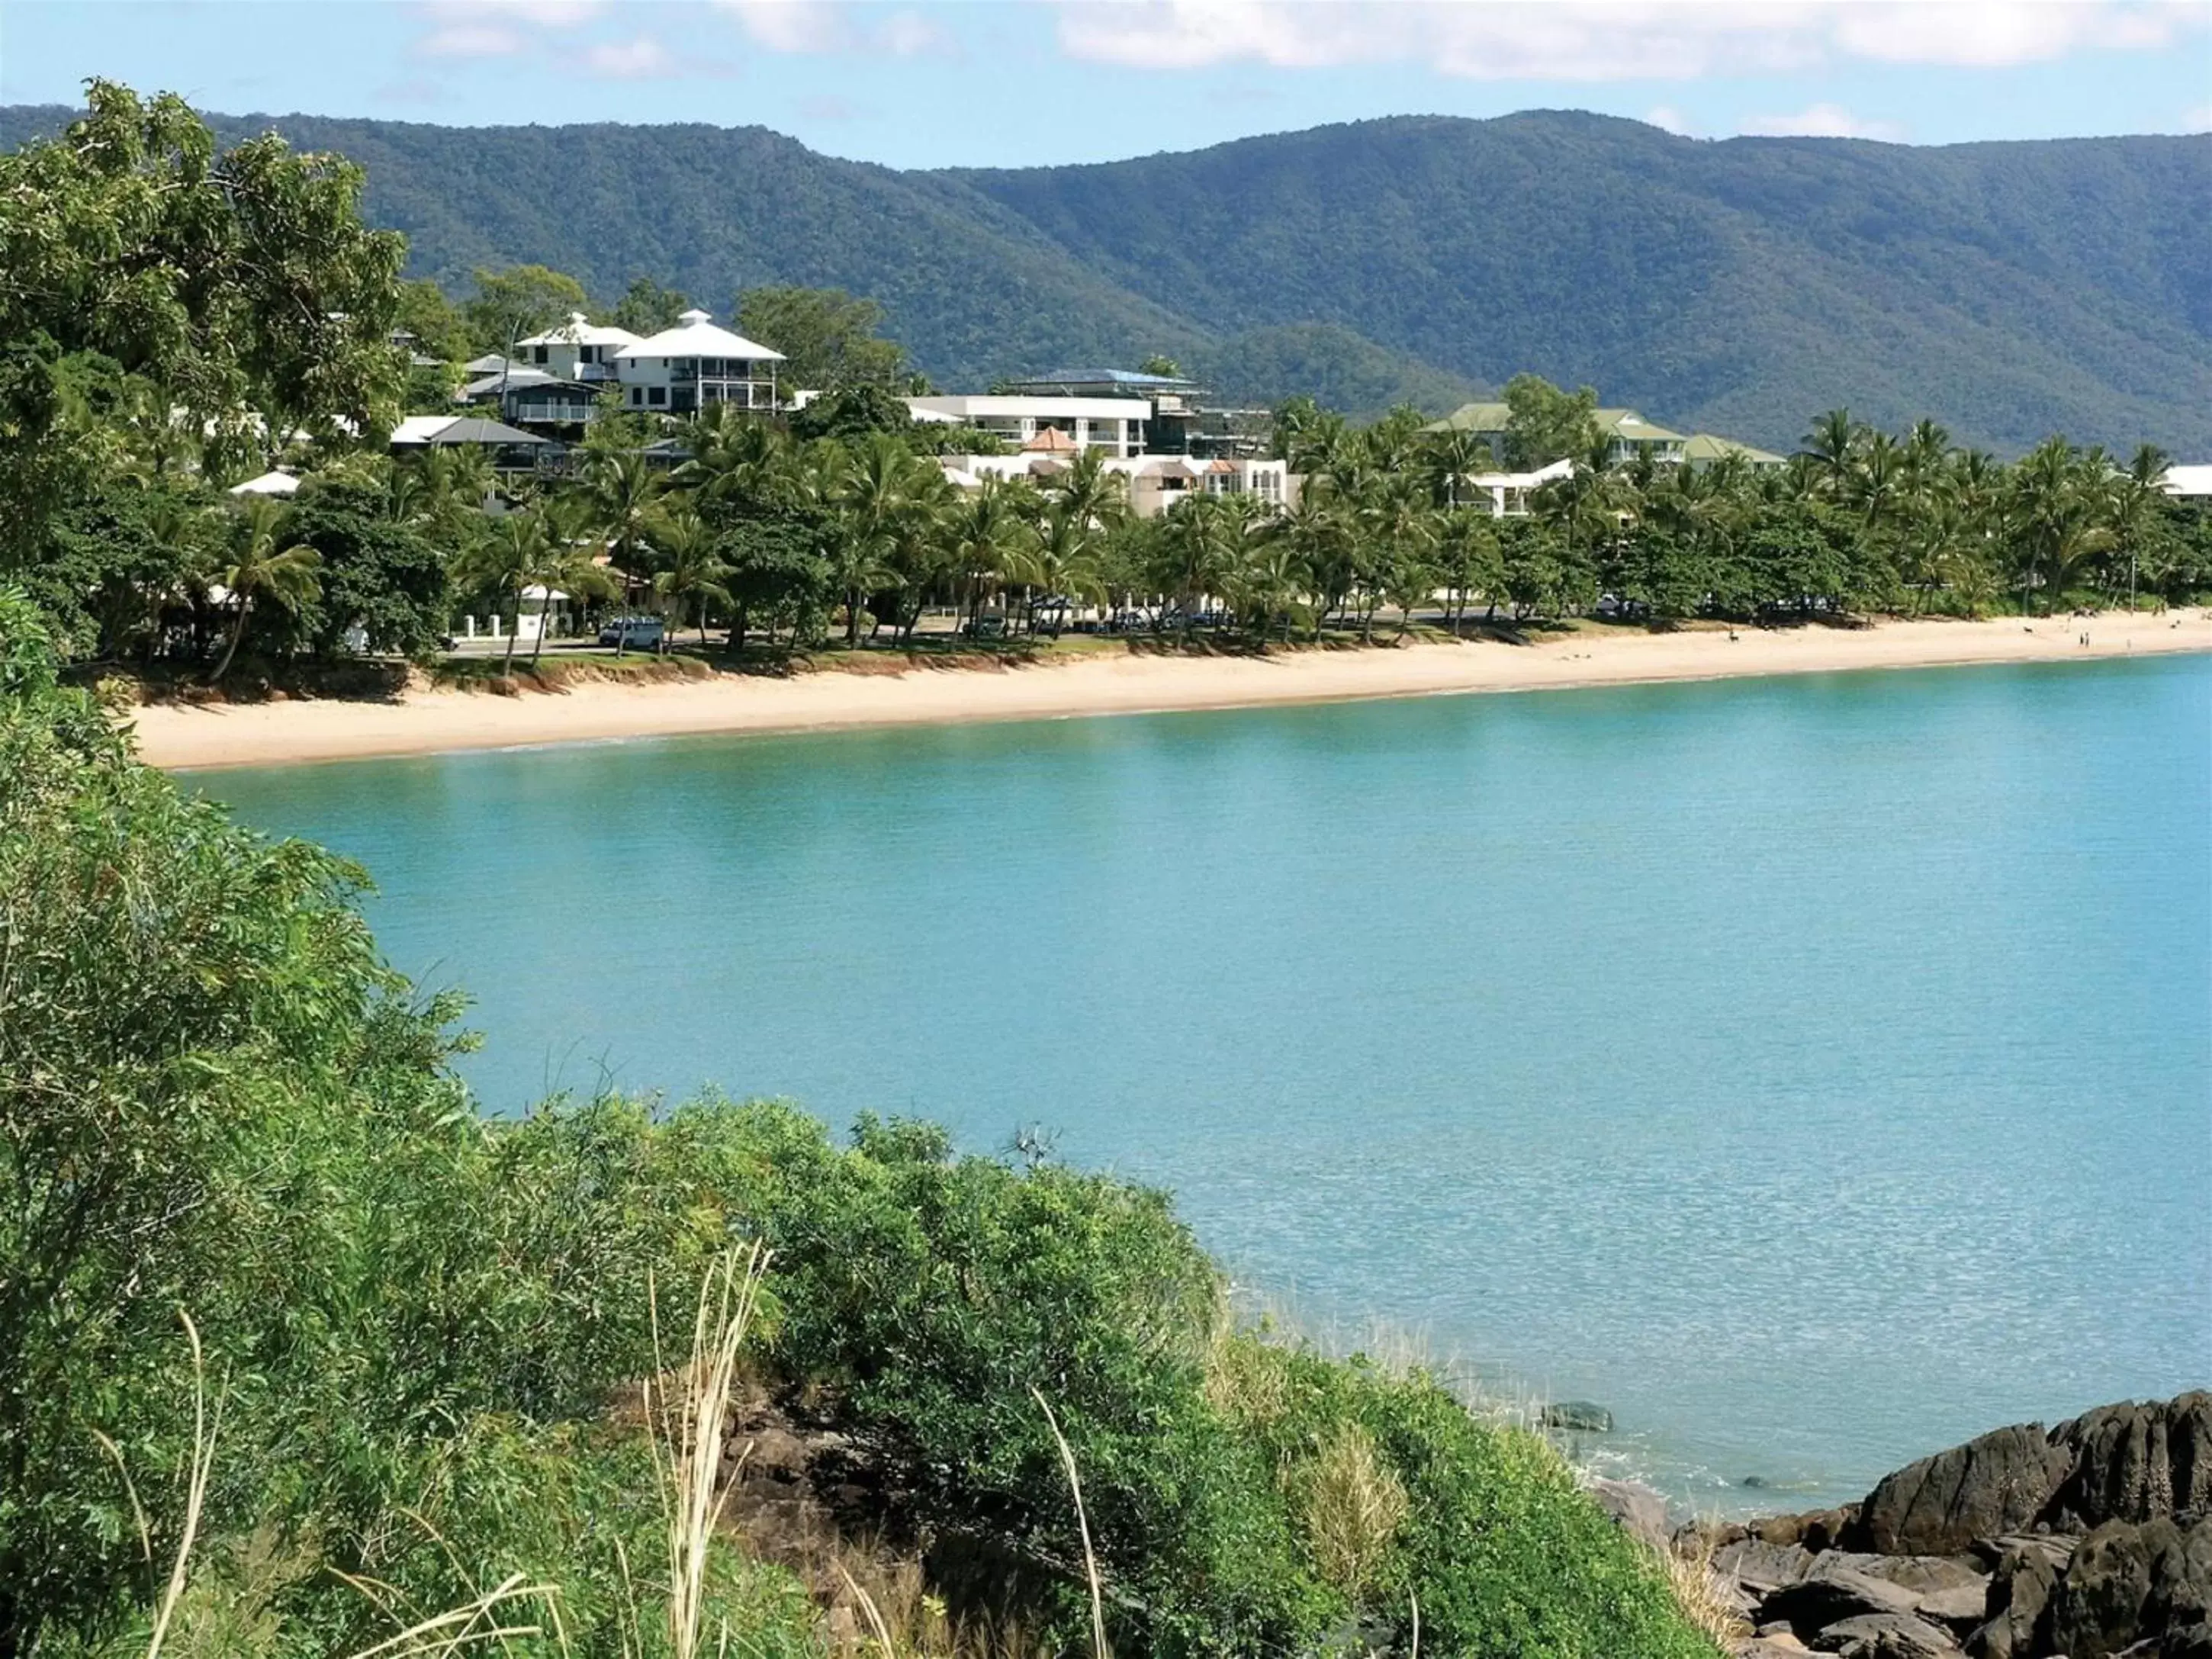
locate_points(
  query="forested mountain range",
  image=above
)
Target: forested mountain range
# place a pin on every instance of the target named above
(2009, 290)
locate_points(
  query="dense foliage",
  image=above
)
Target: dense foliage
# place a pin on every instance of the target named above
(2006, 289)
(216, 1100)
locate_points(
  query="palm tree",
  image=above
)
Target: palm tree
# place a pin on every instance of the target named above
(988, 533)
(259, 569)
(2137, 496)
(1833, 445)
(1059, 560)
(2059, 513)
(1452, 456)
(621, 492)
(1088, 492)
(736, 460)
(1198, 552)
(690, 572)
(880, 489)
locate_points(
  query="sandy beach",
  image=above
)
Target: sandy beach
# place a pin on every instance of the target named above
(181, 736)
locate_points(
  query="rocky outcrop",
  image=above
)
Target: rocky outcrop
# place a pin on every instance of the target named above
(1999, 1483)
(2089, 1540)
(1636, 1509)
(2134, 1463)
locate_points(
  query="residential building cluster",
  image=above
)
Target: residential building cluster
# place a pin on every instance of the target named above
(1159, 433)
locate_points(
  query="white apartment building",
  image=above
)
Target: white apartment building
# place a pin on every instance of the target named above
(1115, 425)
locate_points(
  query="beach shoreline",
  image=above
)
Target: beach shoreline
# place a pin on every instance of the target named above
(206, 736)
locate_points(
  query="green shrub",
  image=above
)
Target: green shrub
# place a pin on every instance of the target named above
(216, 1099)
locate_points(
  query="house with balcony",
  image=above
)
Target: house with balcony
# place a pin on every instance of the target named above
(578, 350)
(694, 366)
(1626, 435)
(1114, 424)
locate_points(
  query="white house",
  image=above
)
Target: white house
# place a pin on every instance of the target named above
(1115, 425)
(682, 369)
(576, 351)
(1154, 483)
(2190, 483)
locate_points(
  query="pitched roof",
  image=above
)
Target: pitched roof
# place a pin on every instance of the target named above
(272, 484)
(442, 429)
(1708, 446)
(695, 335)
(579, 330)
(1473, 417)
(1051, 440)
(1627, 424)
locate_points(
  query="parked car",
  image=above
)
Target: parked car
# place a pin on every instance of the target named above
(633, 633)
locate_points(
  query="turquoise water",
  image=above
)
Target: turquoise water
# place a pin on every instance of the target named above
(1815, 1071)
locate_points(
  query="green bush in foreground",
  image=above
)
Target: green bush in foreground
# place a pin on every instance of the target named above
(215, 1099)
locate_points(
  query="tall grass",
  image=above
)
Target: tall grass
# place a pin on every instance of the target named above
(688, 1412)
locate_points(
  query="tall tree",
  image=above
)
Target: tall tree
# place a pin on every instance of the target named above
(828, 338)
(646, 307)
(241, 289)
(266, 566)
(520, 301)
(1545, 424)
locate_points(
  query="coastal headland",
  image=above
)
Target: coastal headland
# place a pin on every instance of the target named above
(182, 736)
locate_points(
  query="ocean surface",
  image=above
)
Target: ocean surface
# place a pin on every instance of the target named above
(1813, 1071)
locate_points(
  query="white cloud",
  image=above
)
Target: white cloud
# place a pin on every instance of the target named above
(909, 34)
(470, 40)
(792, 25)
(636, 59)
(1610, 40)
(496, 28)
(1667, 118)
(1822, 121)
(828, 26)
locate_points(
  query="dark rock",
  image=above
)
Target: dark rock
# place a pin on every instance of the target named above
(1816, 1530)
(2134, 1463)
(1760, 1567)
(1940, 1505)
(1578, 1417)
(1961, 1609)
(2100, 1604)
(2181, 1581)
(1829, 1594)
(1886, 1636)
(1636, 1509)
(2018, 1595)
(2188, 1641)
(1769, 1647)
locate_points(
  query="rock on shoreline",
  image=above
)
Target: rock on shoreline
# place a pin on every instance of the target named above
(2089, 1540)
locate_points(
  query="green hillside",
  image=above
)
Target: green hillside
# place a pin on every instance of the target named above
(2007, 289)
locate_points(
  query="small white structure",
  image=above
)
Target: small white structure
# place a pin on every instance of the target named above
(681, 370)
(1509, 492)
(2191, 483)
(1115, 425)
(269, 483)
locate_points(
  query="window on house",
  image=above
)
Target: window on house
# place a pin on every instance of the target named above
(541, 354)
(658, 395)
(636, 396)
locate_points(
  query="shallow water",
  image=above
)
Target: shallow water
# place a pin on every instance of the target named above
(1815, 1071)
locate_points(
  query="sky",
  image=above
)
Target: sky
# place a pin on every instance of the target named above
(1007, 82)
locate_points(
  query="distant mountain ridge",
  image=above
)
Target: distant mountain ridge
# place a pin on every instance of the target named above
(2008, 290)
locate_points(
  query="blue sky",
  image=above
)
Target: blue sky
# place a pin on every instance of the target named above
(913, 83)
